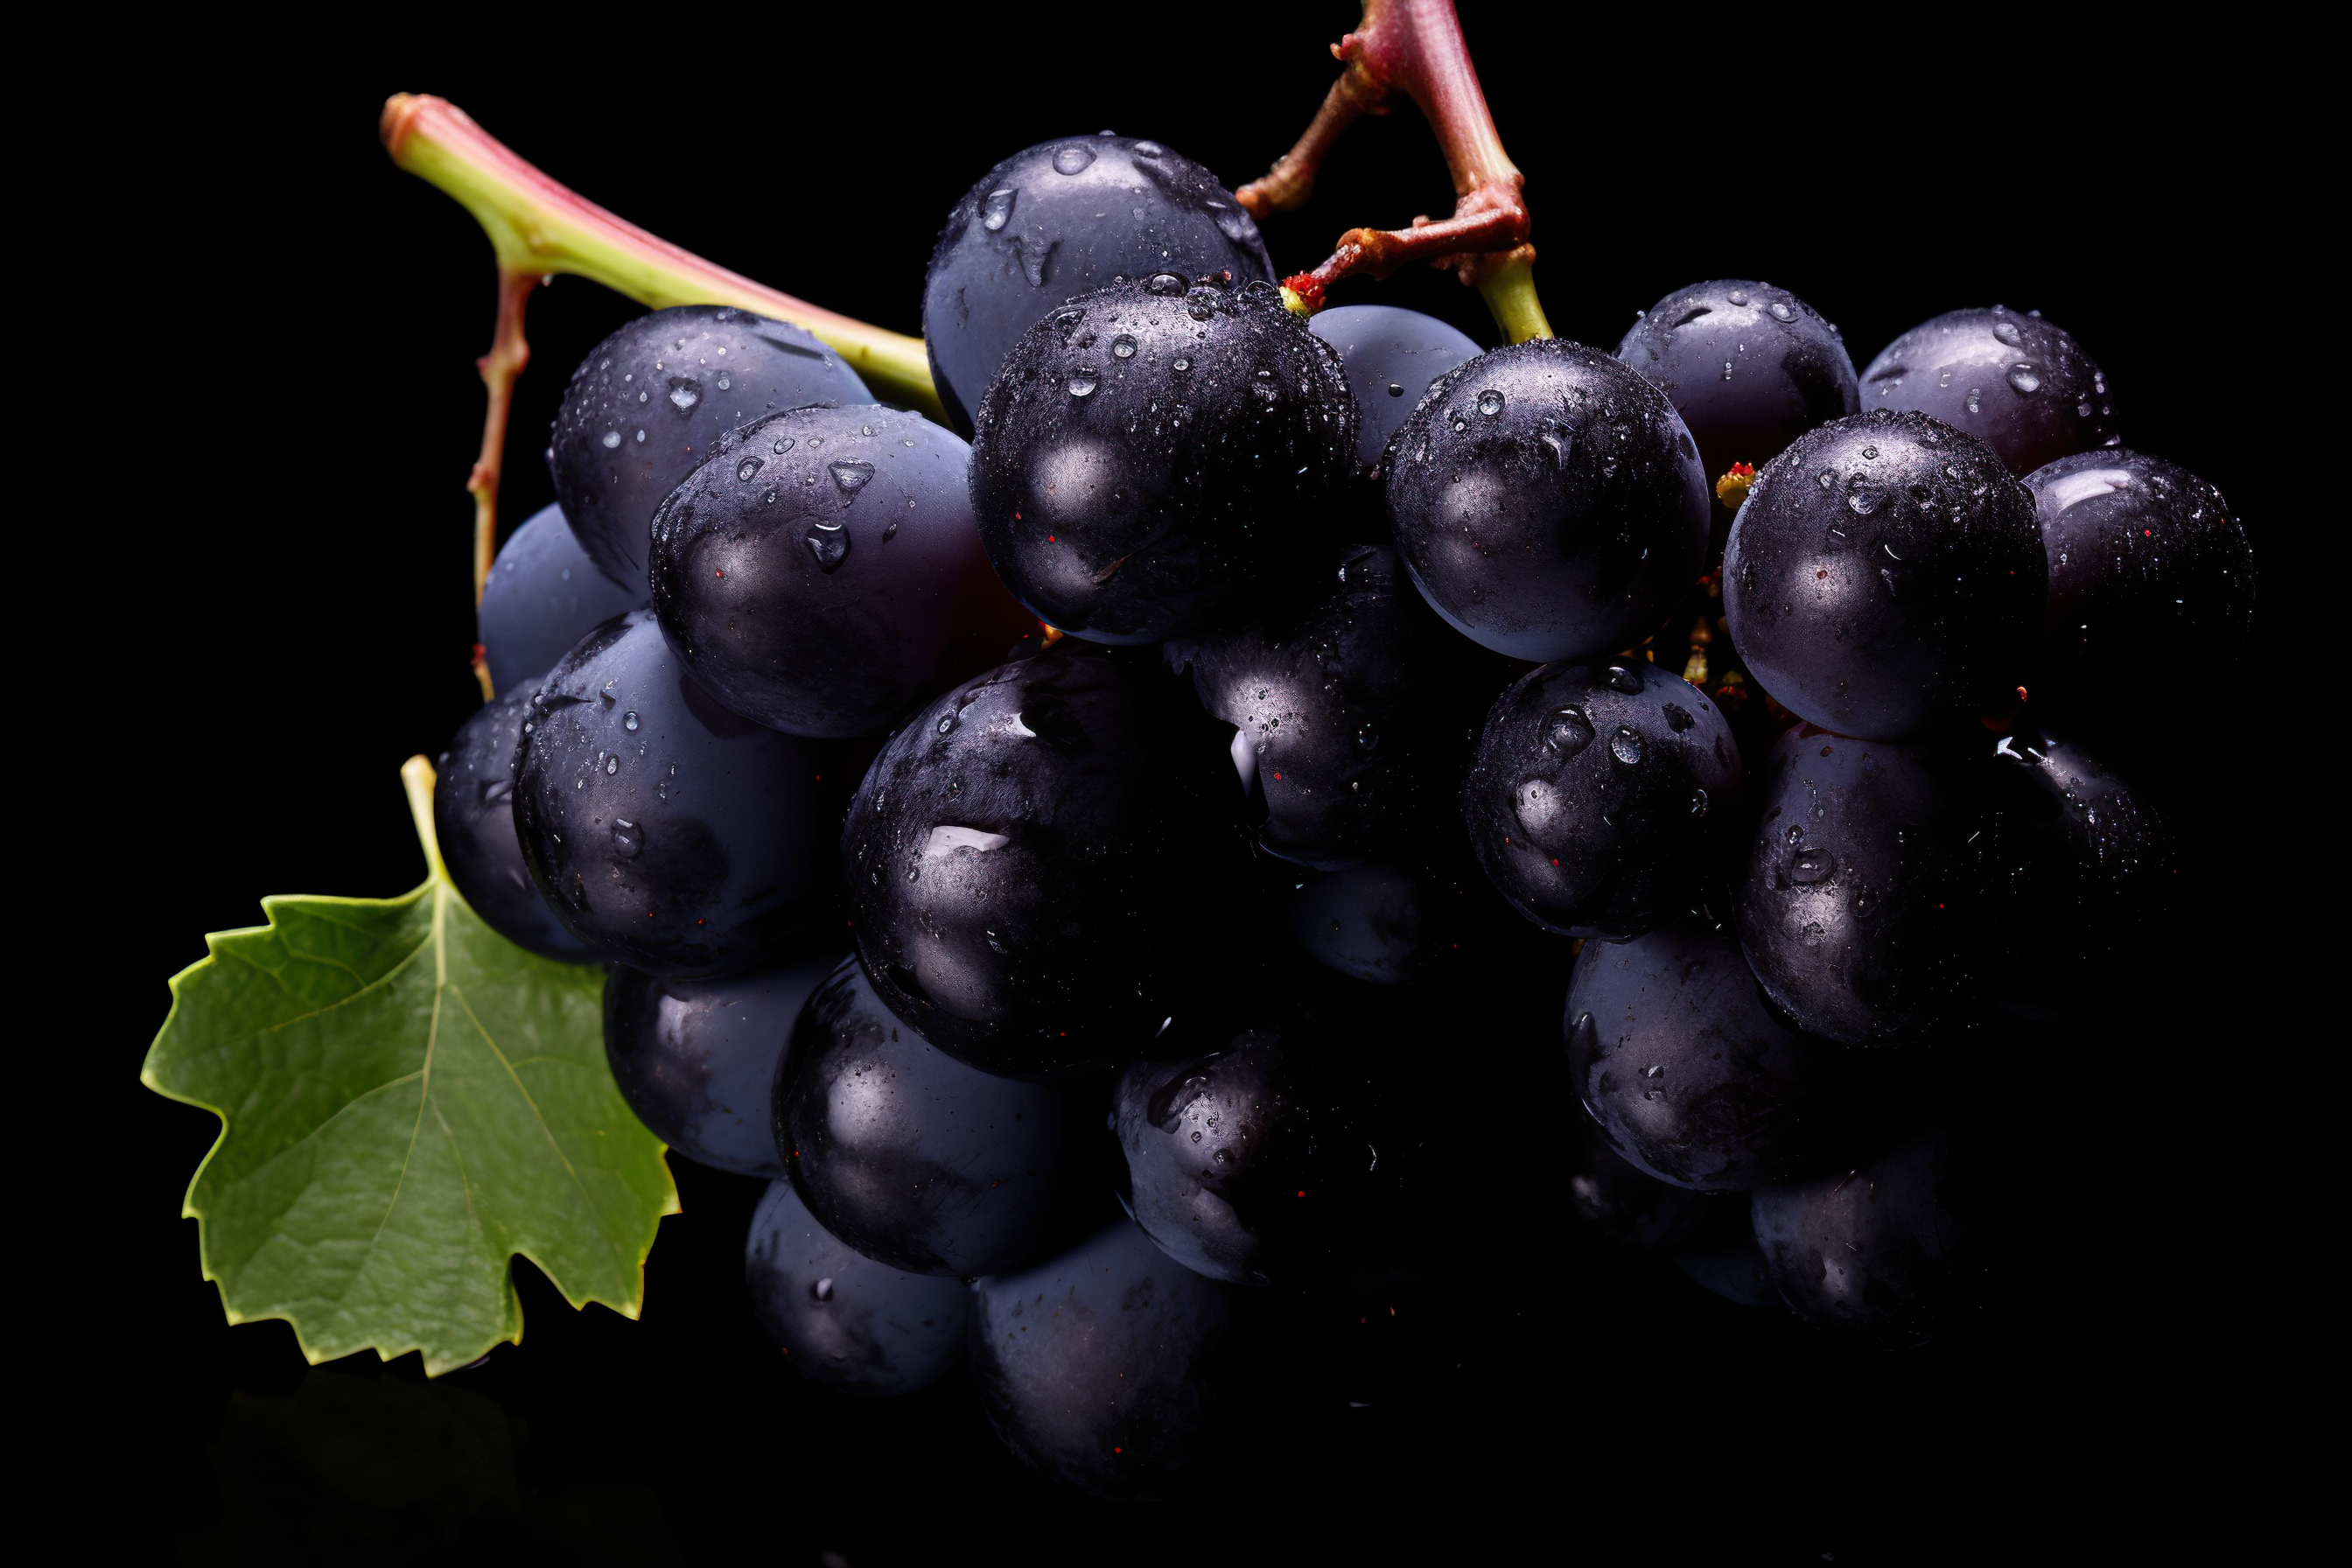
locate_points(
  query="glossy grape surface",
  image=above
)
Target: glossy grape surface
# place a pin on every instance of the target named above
(906, 1154)
(1151, 453)
(1548, 501)
(1686, 1072)
(1100, 1368)
(1885, 572)
(473, 820)
(1339, 703)
(2072, 866)
(2022, 385)
(544, 594)
(648, 405)
(1600, 794)
(1390, 357)
(843, 1319)
(2148, 564)
(1749, 367)
(1849, 910)
(823, 569)
(697, 1059)
(1060, 219)
(1254, 1161)
(1617, 1204)
(1870, 1252)
(1024, 860)
(666, 832)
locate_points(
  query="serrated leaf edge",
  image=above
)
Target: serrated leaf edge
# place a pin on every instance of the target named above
(438, 883)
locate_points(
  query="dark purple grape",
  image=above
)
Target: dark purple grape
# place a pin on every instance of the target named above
(1100, 1369)
(1868, 1252)
(1750, 368)
(648, 405)
(1687, 1074)
(1548, 501)
(1339, 703)
(1024, 859)
(1885, 572)
(1057, 220)
(543, 596)
(1600, 793)
(2016, 383)
(1619, 1207)
(845, 1321)
(2148, 568)
(697, 1059)
(1260, 1160)
(2071, 865)
(822, 570)
(473, 821)
(1390, 356)
(1850, 911)
(904, 1152)
(665, 831)
(1150, 453)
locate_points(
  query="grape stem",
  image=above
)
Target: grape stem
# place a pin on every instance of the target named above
(417, 778)
(537, 228)
(1416, 46)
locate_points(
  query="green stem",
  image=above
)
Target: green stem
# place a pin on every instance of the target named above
(1510, 295)
(417, 778)
(537, 228)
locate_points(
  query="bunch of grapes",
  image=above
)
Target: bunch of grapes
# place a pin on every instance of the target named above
(1060, 863)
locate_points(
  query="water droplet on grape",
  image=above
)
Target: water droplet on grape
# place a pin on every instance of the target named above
(747, 468)
(1811, 865)
(1072, 159)
(684, 392)
(1490, 403)
(612, 764)
(1780, 311)
(1625, 745)
(612, 439)
(1626, 678)
(829, 546)
(850, 478)
(1975, 401)
(629, 838)
(1082, 384)
(1566, 732)
(629, 721)
(1740, 296)
(1149, 149)
(1183, 365)
(822, 1289)
(2024, 378)
(1123, 347)
(2007, 332)
(996, 207)
(1698, 802)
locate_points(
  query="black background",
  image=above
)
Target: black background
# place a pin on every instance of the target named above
(292, 620)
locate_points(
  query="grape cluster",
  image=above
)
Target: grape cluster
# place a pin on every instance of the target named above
(1079, 870)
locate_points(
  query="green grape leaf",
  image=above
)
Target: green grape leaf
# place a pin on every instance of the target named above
(407, 1100)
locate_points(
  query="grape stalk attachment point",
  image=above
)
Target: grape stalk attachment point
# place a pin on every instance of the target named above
(1416, 47)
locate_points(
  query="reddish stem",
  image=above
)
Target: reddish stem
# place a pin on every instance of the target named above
(1416, 46)
(508, 356)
